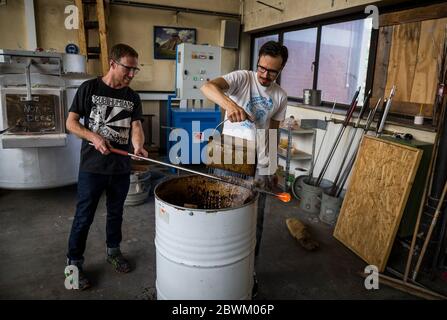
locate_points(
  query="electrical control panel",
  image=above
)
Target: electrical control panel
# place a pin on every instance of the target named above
(196, 64)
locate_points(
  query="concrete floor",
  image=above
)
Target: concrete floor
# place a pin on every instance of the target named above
(33, 241)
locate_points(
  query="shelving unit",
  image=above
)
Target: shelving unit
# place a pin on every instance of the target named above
(301, 155)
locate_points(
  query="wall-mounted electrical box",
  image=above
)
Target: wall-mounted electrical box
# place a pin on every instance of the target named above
(196, 64)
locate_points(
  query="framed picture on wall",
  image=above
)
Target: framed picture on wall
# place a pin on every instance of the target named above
(166, 40)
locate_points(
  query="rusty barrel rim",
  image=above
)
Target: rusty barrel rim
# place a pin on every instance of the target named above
(169, 179)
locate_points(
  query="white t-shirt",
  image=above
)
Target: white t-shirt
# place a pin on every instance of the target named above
(261, 103)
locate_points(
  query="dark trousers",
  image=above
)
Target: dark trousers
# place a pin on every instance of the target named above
(90, 188)
(260, 221)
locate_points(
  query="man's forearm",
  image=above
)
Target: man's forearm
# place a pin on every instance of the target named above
(80, 131)
(137, 136)
(214, 90)
(216, 94)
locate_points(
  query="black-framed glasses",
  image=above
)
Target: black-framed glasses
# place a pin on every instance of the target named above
(135, 70)
(270, 73)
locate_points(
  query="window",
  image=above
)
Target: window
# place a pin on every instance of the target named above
(299, 71)
(331, 57)
(258, 44)
(343, 60)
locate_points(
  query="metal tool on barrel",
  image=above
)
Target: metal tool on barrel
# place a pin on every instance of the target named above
(284, 197)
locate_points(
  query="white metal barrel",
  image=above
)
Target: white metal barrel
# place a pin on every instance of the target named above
(204, 253)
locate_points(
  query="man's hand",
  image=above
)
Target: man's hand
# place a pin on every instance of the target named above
(140, 151)
(101, 144)
(238, 114)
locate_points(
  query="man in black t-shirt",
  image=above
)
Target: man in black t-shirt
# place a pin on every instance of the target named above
(112, 116)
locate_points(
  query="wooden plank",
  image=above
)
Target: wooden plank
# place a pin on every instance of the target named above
(435, 11)
(381, 63)
(81, 31)
(376, 197)
(430, 48)
(410, 108)
(408, 287)
(402, 65)
(102, 36)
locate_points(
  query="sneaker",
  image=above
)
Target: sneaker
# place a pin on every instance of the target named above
(119, 262)
(254, 289)
(83, 282)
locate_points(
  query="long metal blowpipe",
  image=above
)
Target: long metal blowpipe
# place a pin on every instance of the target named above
(351, 141)
(311, 171)
(348, 168)
(338, 138)
(284, 196)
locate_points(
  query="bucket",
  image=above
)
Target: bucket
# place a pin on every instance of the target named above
(312, 97)
(315, 97)
(205, 236)
(139, 188)
(308, 194)
(301, 172)
(306, 96)
(330, 208)
(297, 186)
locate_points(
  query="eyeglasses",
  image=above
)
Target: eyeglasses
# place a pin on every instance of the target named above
(270, 73)
(135, 70)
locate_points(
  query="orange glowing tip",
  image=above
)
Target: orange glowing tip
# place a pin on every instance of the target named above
(284, 196)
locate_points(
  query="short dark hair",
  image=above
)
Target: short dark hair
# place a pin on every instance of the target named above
(274, 49)
(122, 50)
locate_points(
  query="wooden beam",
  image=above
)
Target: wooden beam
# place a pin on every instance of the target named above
(81, 30)
(435, 11)
(408, 287)
(102, 36)
(382, 60)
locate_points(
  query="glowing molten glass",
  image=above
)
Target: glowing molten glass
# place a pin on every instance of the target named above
(284, 197)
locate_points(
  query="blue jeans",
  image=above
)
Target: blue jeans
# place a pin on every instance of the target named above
(90, 188)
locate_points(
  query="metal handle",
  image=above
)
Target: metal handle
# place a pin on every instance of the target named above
(387, 109)
(119, 151)
(351, 108)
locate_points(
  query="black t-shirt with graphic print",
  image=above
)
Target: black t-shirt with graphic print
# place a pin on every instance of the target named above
(108, 112)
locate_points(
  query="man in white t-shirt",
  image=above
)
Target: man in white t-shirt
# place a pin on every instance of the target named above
(253, 101)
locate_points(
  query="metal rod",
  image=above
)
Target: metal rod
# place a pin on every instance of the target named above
(440, 128)
(427, 191)
(350, 143)
(173, 8)
(385, 111)
(338, 138)
(416, 228)
(5, 130)
(125, 153)
(430, 231)
(28, 81)
(400, 275)
(270, 6)
(331, 154)
(350, 164)
(311, 171)
(345, 176)
(345, 157)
